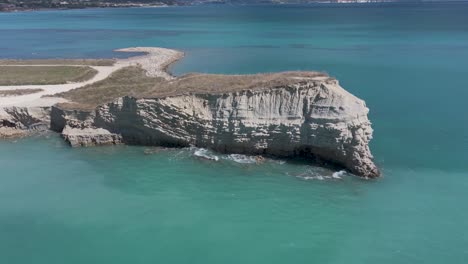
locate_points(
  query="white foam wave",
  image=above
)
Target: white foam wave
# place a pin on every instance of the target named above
(338, 174)
(280, 162)
(319, 175)
(205, 154)
(243, 159)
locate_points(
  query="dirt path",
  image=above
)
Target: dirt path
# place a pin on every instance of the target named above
(155, 62)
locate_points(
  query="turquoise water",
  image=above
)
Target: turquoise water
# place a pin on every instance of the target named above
(119, 205)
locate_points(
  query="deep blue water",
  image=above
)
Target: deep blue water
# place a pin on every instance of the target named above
(409, 62)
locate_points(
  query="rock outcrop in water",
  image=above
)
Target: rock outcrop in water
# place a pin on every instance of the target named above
(310, 117)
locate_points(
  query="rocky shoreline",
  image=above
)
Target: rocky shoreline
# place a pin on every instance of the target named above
(294, 114)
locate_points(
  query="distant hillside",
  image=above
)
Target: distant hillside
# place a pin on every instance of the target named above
(14, 5)
(246, 2)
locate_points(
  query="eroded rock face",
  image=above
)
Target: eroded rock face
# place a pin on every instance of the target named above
(19, 121)
(78, 129)
(316, 119)
(85, 137)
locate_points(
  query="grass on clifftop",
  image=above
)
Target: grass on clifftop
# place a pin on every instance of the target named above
(41, 75)
(220, 83)
(84, 62)
(18, 92)
(132, 81)
(129, 81)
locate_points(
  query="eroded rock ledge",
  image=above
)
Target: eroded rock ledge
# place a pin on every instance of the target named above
(20, 121)
(297, 116)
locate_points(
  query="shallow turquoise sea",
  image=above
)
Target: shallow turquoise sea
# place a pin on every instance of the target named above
(125, 204)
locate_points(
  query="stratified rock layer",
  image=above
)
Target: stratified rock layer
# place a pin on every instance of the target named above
(19, 121)
(311, 117)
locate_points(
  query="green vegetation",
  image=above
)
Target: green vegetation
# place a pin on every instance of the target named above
(84, 62)
(40, 75)
(17, 92)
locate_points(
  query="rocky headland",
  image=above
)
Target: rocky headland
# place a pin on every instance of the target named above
(289, 114)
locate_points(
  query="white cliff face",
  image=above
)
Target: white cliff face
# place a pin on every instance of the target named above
(313, 119)
(84, 137)
(19, 121)
(77, 128)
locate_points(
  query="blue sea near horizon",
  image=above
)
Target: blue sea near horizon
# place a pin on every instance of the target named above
(409, 62)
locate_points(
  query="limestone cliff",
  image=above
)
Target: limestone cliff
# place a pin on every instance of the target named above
(19, 121)
(286, 114)
(78, 128)
(309, 117)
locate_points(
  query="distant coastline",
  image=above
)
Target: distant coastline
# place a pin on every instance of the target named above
(20, 6)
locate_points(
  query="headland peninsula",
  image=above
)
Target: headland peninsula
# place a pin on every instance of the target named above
(137, 101)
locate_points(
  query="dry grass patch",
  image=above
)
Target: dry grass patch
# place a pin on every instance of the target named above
(83, 62)
(41, 75)
(18, 92)
(132, 81)
(218, 83)
(129, 81)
